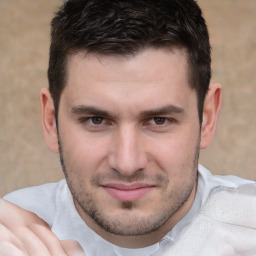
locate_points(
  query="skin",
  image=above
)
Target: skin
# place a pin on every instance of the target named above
(22, 233)
(129, 137)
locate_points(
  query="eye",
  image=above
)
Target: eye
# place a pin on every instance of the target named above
(93, 121)
(160, 124)
(96, 120)
(159, 120)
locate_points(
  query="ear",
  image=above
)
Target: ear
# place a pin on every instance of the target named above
(211, 109)
(48, 120)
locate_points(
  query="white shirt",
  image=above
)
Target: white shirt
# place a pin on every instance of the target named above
(53, 203)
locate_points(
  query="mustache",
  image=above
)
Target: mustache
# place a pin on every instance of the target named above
(138, 176)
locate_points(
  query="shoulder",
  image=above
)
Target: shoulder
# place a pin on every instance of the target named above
(221, 180)
(226, 223)
(40, 199)
(233, 205)
(227, 196)
(208, 182)
(229, 212)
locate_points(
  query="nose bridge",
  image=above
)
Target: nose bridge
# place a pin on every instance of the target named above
(128, 155)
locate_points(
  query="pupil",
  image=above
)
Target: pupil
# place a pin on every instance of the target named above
(97, 120)
(159, 120)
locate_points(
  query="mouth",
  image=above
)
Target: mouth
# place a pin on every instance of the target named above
(127, 192)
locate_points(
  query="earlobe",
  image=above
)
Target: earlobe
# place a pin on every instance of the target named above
(211, 109)
(48, 120)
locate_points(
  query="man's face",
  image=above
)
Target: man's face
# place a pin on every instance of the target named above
(129, 136)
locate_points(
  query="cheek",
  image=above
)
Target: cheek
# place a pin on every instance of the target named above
(83, 154)
(175, 152)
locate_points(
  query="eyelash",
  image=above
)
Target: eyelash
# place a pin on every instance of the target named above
(161, 119)
(104, 122)
(90, 120)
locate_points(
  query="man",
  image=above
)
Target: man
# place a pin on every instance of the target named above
(128, 109)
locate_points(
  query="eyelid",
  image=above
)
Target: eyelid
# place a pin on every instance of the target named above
(147, 122)
(169, 122)
(171, 119)
(88, 124)
(87, 118)
(153, 120)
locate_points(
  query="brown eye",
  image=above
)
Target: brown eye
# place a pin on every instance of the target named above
(97, 120)
(159, 120)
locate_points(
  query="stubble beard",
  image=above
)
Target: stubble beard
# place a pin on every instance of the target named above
(126, 224)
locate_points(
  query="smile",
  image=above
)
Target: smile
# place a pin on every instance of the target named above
(127, 193)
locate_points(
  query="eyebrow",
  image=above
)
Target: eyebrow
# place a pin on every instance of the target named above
(166, 110)
(95, 111)
(89, 110)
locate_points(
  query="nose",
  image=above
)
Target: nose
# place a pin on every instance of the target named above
(128, 154)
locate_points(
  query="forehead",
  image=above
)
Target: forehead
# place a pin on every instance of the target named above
(151, 64)
(151, 76)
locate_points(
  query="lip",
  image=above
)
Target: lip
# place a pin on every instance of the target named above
(127, 192)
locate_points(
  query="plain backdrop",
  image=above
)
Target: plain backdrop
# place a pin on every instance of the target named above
(24, 43)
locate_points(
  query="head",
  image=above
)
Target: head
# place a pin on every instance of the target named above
(129, 86)
(125, 28)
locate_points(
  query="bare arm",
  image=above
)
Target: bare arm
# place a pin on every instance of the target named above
(23, 233)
